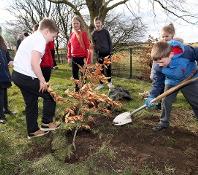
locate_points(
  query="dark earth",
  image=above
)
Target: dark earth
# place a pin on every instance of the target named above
(172, 151)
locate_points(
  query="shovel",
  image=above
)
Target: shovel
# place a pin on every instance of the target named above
(126, 117)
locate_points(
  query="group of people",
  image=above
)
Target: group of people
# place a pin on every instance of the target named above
(79, 46)
(32, 69)
(172, 63)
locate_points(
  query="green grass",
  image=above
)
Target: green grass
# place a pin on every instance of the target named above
(45, 156)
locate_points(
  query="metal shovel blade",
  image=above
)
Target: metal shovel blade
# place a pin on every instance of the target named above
(126, 117)
(122, 119)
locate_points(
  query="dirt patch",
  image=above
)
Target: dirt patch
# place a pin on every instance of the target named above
(86, 143)
(135, 147)
(173, 151)
(39, 147)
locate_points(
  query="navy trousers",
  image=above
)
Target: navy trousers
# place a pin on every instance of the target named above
(30, 90)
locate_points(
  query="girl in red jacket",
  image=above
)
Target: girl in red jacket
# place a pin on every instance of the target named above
(77, 48)
(47, 61)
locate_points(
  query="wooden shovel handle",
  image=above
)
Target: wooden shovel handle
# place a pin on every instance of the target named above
(173, 89)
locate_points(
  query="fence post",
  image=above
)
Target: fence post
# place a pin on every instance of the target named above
(130, 50)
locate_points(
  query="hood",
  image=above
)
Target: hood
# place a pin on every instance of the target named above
(177, 45)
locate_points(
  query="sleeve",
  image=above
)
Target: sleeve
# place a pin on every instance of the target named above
(86, 42)
(176, 71)
(157, 86)
(69, 49)
(110, 42)
(93, 39)
(195, 53)
(8, 56)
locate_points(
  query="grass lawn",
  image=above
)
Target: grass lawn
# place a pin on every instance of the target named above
(107, 149)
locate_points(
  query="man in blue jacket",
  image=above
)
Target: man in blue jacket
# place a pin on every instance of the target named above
(171, 69)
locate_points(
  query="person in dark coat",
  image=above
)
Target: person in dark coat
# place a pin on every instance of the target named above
(103, 48)
(5, 79)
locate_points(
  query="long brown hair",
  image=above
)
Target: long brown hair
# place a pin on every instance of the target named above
(82, 25)
(2, 43)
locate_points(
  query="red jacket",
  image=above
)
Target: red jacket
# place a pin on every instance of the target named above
(47, 60)
(74, 48)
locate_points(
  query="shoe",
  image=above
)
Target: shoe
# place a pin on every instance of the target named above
(38, 133)
(158, 106)
(159, 128)
(100, 86)
(50, 127)
(110, 85)
(2, 119)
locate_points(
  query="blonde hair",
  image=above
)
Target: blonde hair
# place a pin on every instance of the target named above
(47, 23)
(169, 29)
(160, 50)
(78, 18)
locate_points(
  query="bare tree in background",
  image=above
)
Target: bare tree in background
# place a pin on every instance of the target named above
(102, 7)
(30, 12)
(96, 8)
(124, 29)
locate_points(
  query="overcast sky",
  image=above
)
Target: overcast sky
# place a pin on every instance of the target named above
(143, 8)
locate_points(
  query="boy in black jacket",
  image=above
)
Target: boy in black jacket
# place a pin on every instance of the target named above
(102, 47)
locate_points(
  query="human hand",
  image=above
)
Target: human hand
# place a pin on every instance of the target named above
(10, 63)
(69, 60)
(148, 102)
(43, 86)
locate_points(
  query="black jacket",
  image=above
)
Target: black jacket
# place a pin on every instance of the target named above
(5, 78)
(102, 42)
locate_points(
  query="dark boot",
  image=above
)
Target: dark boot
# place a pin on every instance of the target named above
(159, 127)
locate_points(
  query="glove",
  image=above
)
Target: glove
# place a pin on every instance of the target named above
(148, 103)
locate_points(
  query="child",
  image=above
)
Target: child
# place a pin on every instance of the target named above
(175, 68)
(5, 79)
(103, 47)
(77, 48)
(167, 34)
(27, 75)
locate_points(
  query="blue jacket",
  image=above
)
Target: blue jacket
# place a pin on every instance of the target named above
(5, 77)
(180, 67)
